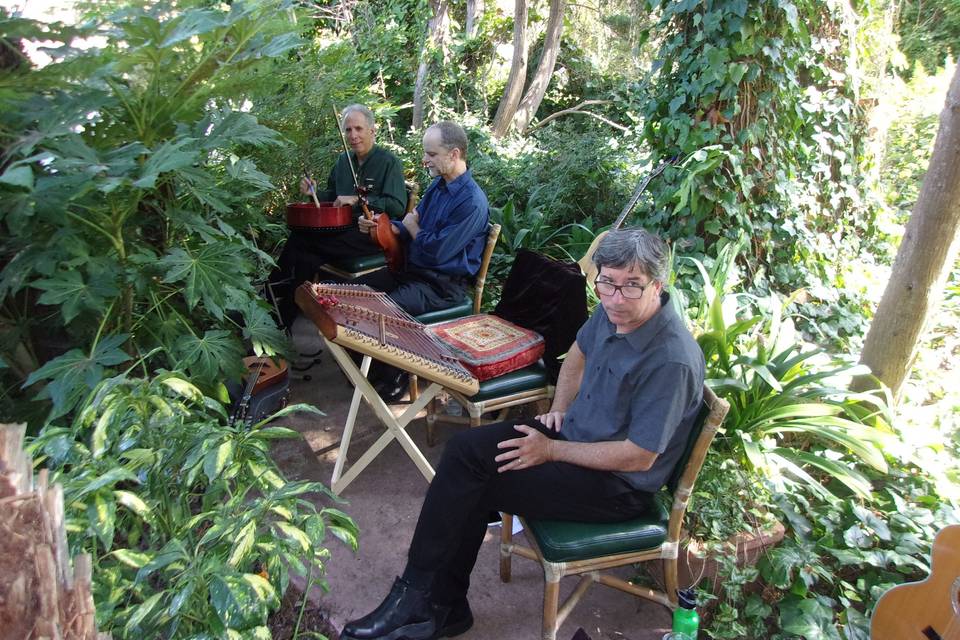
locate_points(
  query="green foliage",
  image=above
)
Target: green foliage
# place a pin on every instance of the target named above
(796, 445)
(756, 100)
(529, 230)
(192, 526)
(824, 579)
(569, 173)
(929, 32)
(788, 413)
(127, 180)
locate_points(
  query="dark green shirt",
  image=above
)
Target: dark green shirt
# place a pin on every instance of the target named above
(385, 174)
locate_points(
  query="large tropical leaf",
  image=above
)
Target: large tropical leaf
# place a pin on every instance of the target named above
(72, 294)
(75, 373)
(205, 274)
(205, 356)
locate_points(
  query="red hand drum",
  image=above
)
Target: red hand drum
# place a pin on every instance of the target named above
(309, 217)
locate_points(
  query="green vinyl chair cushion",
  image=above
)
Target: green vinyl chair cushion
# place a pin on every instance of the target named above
(562, 541)
(532, 377)
(356, 264)
(460, 310)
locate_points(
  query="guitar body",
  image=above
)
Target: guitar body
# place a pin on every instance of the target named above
(270, 371)
(265, 390)
(926, 610)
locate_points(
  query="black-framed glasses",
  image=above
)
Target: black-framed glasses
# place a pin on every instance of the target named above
(628, 291)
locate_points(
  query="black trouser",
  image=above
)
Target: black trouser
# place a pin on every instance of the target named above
(301, 258)
(467, 487)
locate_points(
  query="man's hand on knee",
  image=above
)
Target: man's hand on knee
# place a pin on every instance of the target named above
(528, 451)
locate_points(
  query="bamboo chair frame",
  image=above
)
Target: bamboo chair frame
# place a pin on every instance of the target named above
(475, 410)
(554, 613)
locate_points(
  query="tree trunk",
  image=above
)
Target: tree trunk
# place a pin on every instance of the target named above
(518, 72)
(548, 60)
(923, 259)
(436, 32)
(41, 595)
(474, 11)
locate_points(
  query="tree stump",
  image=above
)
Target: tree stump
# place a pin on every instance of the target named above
(41, 596)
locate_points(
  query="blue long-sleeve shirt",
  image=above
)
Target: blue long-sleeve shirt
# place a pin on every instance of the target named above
(453, 227)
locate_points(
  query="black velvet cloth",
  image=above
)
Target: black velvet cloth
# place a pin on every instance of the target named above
(547, 296)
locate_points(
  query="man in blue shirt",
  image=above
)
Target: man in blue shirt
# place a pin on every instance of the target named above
(444, 236)
(626, 400)
(444, 239)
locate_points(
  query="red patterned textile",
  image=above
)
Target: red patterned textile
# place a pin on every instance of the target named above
(489, 346)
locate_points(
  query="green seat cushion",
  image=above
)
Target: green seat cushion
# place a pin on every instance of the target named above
(532, 377)
(562, 541)
(464, 308)
(355, 264)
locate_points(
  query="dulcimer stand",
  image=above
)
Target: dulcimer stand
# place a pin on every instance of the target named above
(366, 321)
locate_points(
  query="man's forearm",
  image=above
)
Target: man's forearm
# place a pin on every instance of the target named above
(622, 455)
(568, 381)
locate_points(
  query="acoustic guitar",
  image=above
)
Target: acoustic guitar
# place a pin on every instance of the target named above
(262, 373)
(926, 610)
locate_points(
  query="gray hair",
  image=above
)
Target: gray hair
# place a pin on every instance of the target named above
(624, 248)
(362, 110)
(452, 136)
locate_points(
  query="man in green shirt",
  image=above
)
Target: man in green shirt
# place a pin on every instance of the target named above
(305, 251)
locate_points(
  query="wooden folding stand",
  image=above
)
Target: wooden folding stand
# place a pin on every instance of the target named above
(366, 321)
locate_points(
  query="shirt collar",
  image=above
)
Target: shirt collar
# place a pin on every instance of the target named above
(641, 337)
(356, 161)
(458, 183)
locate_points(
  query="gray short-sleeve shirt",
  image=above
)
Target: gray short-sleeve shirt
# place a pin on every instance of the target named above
(645, 386)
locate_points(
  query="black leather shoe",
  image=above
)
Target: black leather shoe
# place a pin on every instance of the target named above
(395, 387)
(453, 620)
(404, 613)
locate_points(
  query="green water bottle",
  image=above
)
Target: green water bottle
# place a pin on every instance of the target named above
(685, 617)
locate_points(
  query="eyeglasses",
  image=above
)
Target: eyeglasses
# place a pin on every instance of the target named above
(628, 291)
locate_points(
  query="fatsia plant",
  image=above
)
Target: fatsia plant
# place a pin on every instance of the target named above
(128, 190)
(790, 417)
(192, 527)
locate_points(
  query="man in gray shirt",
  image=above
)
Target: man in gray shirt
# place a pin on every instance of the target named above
(628, 393)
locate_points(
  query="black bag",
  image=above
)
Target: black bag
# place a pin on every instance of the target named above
(547, 296)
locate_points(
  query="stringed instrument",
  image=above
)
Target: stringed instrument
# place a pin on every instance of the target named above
(586, 262)
(383, 236)
(369, 322)
(927, 610)
(262, 374)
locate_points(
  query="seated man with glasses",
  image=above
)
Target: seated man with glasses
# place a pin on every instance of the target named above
(628, 394)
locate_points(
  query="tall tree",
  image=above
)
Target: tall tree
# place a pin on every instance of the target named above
(503, 120)
(474, 12)
(436, 34)
(548, 60)
(923, 259)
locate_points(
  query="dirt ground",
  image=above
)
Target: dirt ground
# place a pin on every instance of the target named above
(385, 500)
